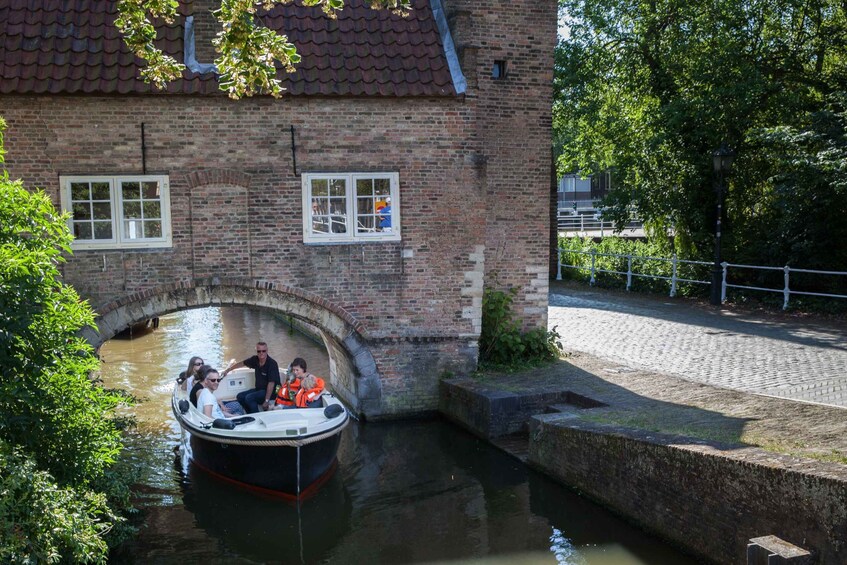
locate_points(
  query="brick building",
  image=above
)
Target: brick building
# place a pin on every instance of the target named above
(186, 198)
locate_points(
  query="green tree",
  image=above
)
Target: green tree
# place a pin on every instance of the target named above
(249, 52)
(59, 440)
(650, 88)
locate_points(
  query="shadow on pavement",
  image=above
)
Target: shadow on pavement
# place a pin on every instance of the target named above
(621, 406)
(817, 333)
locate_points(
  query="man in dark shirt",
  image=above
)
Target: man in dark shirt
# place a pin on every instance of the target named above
(267, 377)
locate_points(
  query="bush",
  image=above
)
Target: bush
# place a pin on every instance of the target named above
(62, 489)
(502, 344)
(41, 522)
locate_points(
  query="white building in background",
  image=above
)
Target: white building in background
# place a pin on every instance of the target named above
(582, 191)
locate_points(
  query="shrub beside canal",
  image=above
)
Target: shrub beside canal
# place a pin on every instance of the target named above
(59, 439)
(503, 344)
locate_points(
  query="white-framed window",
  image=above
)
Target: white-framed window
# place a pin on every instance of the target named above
(351, 207)
(117, 212)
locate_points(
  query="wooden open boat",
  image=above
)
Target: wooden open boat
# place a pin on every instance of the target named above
(287, 452)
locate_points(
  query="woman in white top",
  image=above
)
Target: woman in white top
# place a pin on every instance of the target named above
(206, 401)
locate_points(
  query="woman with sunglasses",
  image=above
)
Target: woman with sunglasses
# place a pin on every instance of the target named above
(206, 401)
(187, 377)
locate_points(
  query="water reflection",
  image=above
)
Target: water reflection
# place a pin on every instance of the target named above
(268, 529)
(410, 492)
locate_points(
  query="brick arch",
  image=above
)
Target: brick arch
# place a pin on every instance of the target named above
(217, 176)
(353, 370)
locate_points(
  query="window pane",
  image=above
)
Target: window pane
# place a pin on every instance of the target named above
(81, 211)
(366, 224)
(338, 224)
(365, 205)
(337, 206)
(337, 215)
(102, 211)
(382, 187)
(131, 190)
(364, 187)
(320, 187)
(79, 191)
(153, 228)
(102, 230)
(152, 210)
(133, 229)
(338, 187)
(385, 216)
(132, 210)
(150, 190)
(82, 230)
(100, 191)
(320, 224)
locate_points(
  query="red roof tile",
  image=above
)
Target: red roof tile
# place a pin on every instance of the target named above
(73, 46)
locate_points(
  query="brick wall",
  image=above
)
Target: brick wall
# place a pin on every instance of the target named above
(473, 183)
(206, 27)
(708, 499)
(514, 120)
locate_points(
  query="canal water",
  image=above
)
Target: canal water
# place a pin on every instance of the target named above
(406, 492)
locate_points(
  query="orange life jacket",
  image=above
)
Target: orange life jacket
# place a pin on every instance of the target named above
(287, 393)
(305, 396)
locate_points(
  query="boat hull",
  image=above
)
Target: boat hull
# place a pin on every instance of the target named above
(283, 469)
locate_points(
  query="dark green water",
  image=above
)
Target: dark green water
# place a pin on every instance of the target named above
(410, 492)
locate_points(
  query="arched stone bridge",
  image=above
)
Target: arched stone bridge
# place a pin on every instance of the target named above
(353, 370)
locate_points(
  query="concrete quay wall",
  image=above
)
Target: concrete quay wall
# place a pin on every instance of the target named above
(706, 498)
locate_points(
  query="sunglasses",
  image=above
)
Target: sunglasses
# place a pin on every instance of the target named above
(261, 351)
(198, 363)
(214, 380)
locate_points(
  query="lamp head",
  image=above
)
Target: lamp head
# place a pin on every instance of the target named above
(723, 157)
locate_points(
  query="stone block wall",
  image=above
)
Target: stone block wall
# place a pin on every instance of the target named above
(491, 413)
(709, 499)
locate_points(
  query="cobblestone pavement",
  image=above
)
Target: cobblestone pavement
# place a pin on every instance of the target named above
(760, 353)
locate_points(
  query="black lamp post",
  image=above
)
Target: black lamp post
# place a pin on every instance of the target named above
(723, 157)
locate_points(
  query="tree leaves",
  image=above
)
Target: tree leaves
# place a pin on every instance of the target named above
(54, 419)
(649, 88)
(249, 53)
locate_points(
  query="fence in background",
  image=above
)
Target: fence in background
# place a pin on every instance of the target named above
(674, 278)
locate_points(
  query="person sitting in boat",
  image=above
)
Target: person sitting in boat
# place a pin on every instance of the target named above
(288, 391)
(207, 403)
(198, 383)
(187, 377)
(267, 378)
(309, 395)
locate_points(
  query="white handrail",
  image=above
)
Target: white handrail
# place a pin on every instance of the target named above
(675, 278)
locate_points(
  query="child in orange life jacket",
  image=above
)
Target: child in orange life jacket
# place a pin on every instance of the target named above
(288, 391)
(310, 392)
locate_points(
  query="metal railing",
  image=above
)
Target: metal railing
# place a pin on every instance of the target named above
(588, 222)
(674, 278)
(567, 204)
